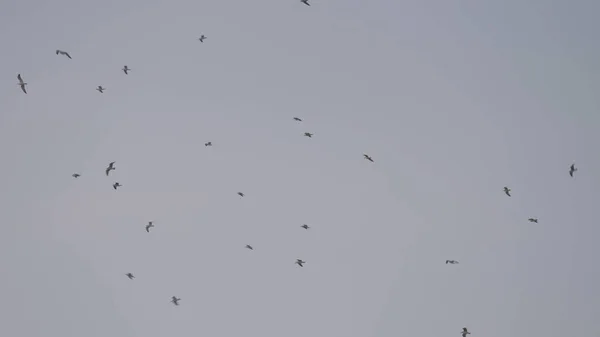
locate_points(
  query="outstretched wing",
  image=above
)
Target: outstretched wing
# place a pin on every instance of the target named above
(69, 56)
(19, 78)
(23, 88)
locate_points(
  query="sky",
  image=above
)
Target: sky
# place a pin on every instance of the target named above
(452, 99)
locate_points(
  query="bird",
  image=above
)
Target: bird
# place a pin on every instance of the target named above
(507, 191)
(240, 194)
(115, 185)
(305, 2)
(126, 69)
(130, 275)
(451, 261)
(63, 53)
(175, 300)
(202, 38)
(300, 262)
(535, 220)
(208, 144)
(298, 119)
(305, 226)
(100, 89)
(249, 247)
(21, 83)
(465, 332)
(308, 134)
(572, 170)
(110, 167)
(367, 157)
(148, 226)
(76, 175)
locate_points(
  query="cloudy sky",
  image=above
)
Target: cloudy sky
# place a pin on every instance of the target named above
(453, 100)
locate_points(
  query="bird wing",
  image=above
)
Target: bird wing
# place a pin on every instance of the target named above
(107, 170)
(23, 88)
(19, 78)
(464, 334)
(69, 56)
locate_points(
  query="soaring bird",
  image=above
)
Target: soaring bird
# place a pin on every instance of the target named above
(208, 144)
(202, 38)
(300, 262)
(126, 69)
(110, 167)
(249, 247)
(305, 2)
(572, 170)
(451, 261)
(240, 194)
(367, 157)
(63, 53)
(305, 226)
(533, 220)
(21, 83)
(507, 191)
(148, 226)
(465, 332)
(297, 119)
(175, 300)
(130, 275)
(308, 134)
(100, 89)
(76, 175)
(115, 185)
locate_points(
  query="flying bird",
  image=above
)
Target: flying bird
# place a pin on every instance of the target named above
(110, 167)
(130, 275)
(308, 134)
(367, 157)
(572, 170)
(535, 220)
(21, 83)
(115, 185)
(249, 247)
(208, 144)
(240, 194)
(126, 69)
(76, 175)
(175, 300)
(300, 262)
(305, 2)
(451, 261)
(507, 191)
(202, 38)
(305, 226)
(100, 89)
(148, 226)
(298, 119)
(465, 332)
(63, 53)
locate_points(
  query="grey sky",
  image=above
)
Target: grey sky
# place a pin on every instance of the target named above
(452, 99)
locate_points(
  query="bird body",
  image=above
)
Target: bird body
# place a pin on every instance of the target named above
(100, 89)
(249, 247)
(308, 134)
(305, 2)
(115, 185)
(297, 119)
(305, 226)
(175, 300)
(465, 332)
(208, 144)
(76, 175)
(300, 262)
(148, 226)
(240, 194)
(110, 167)
(63, 53)
(507, 191)
(572, 170)
(21, 83)
(126, 69)
(367, 157)
(535, 220)
(130, 275)
(451, 261)
(202, 38)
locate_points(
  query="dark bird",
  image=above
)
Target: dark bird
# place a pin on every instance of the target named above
(305, 226)
(76, 175)
(115, 185)
(148, 226)
(297, 119)
(202, 38)
(208, 144)
(249, 247)
(21, 83)
(535, 220)
(100, 89)
(465, 332)
(305, 2)
(240, 194)
(507, 191)
(572, 170)
(300, 262)
(126, 69)
(130, 275)
(367, 157)
(451, 261)
(63, 53)
(308, 134)
(110, 167)
(175, 300)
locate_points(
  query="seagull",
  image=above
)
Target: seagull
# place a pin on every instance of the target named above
(572, 170)
(305, 226)
(367, 157)
(308, 134)
(63, 53)
(130, 275)
(76, 175)
(110, 167)
(21, 83)
(533, 220)
(208, 144)
(115, 185)
(148, 226)
(297, 119)
(126, 69)
(240, 194)
(202, 37)
(507, 191)
(100, 89)
(300, 262)
(249, 247)
(465, 332)
(451, 261)
(175, 300)
(305, 2)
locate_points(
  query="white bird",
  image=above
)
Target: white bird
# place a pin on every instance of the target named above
(126, 69)
(63, 53)
(100, 89)
(465, 332)
(21, 83)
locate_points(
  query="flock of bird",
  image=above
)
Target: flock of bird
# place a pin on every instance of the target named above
(111, 167)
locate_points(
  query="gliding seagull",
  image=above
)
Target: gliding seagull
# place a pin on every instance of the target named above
(130, 275)
(533, 220)
(148, 226)
(100, 89)
(76, 175)
(308, 134)
(305, 2)
(451, 261)
(507, 191)
(249, 247)
(126, 69)
(367, 157)
(110, 167)
(297, 119)
(63, 53)
(305, 226)
(175, 300)
(300, 262)
(202, 37)
(115, 185)
(21, 83)
(572, 170)
(465, 332)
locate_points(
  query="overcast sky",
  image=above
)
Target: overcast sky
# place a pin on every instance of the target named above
(453, 100)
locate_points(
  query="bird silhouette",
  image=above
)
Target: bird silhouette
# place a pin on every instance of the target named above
(130, 275)
(451, 261)
(300, 262)
(100, 89)
(21, 83)
(76, 175)
(115, 185)
(308, 134)
(126, 69)
(367, 157)
(208, 144)
(535, 220)
(572, 170)
(305, 226)
(110, 167)
(202, 38)
(63, 53)
(249, 247)
(240, 194)
(297, 119)
(148, 226)
(305, 2)
(175, 300)
(507, 191)
(465, 332)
